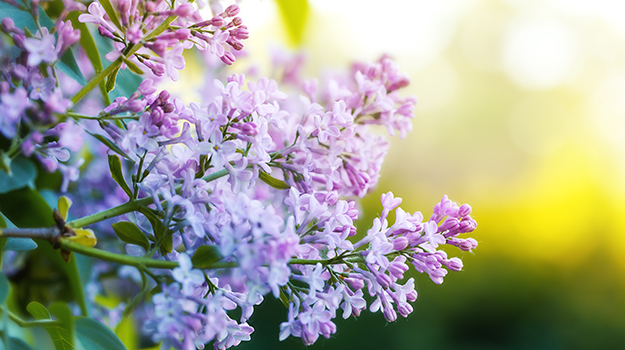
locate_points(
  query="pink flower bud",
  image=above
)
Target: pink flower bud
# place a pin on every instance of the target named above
(331, 197)
(228, 58)
(105, 32)
(355, 283)
(8, 26)
(454, 264)
(18, 40)
(405, 309)
(384, 280)
(464, 210)
(183, 34)
(412, 296)
(231, 11)
(150, 6)
(400, 243)
(390, 314)
(237, 45)
(184, 10)
(237, 21)
(249, 129)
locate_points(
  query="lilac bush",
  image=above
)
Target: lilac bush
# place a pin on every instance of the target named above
(202, 210)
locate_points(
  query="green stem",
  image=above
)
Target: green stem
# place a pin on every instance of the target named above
(135, 261)
(118, 62)
(145, 262)
(22, 323)
(131, 205)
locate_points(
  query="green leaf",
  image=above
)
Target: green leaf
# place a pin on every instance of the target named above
(20, 244)
(93, 335)
(91, 49)
(205, 256)
(130, 233)
(159, 230)
(4, 288)
(61, 334)
(69, 67)
(108, 7)
(26, 208)
(110, 80)
(128, 333)
(109, 144)
(294, 15)
(272, 181)
(115, 165)
(23, 172)
(18, 344)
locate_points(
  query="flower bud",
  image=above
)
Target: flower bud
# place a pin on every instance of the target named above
(228, 58)
(454, 264)
(400, 243)
(231, 11)
(355, 283)
(184, 10)
(390, 314)
(464, 210)
(8, 26)
(412, 296)
(405, 309)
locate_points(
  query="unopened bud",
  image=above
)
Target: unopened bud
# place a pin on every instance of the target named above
(464, 210)
(400, 243)
(228, 58)
(231, 10)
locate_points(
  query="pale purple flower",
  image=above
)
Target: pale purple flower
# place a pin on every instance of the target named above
(186, 275)
(41, 88)
(41, 48)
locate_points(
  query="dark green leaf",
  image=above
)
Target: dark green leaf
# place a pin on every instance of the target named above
(272, 181)
(295, 15)
(23, 172)
(93, 335)
(65, 332)
(109, 144)
(18, 344)
(91, 49)
(205, 256)
(159, 230)
(110, 80)
(108, 7)
(61, 334)
(4, 288)
(115, 165)
(127, 83)
(284, 298)
(20, 244)
(26, 208)
(130, 233)
(69, 67)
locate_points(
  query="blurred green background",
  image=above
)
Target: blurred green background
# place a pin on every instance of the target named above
(521, 114)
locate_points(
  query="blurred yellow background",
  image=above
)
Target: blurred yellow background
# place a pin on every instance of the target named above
(521, 114)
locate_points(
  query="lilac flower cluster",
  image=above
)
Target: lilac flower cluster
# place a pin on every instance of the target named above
(265, 186)
(131, 23)
(262, 182)
(31, 100)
